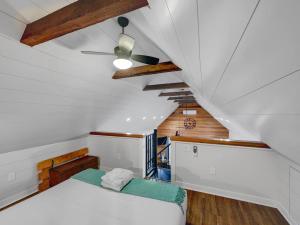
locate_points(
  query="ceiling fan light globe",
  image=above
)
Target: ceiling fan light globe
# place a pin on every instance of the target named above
(122, 64)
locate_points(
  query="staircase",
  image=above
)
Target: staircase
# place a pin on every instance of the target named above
(163, 159)
(158, 157)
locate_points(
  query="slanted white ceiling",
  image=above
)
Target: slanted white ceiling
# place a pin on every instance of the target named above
(52, 92)
(248, 52)
(241, 59)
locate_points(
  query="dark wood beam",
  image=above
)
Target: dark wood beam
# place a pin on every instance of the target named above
(189, 105)
(164, 67)
(176, 93)
(182, 98)
(78, 15)
(186, 101)
(165, 86)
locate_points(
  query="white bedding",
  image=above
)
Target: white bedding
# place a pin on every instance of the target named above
(77, 203)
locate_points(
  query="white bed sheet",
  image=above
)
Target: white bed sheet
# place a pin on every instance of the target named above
(77, 203)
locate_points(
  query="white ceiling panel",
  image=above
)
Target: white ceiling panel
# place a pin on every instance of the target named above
(221, 24)
(241, 59)
(277, 98)
(269, 50)
(52, 92)
(281, 132)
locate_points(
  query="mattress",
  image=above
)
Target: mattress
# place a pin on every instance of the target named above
(78, 203)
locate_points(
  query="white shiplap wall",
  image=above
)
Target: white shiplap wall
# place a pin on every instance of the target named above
(119, 152)
(23, 164)
(249, 59)
(255, 175)
(51, 92)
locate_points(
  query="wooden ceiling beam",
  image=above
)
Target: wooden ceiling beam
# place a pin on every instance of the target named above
(164, 67)
(78, 15)
(182, 98)
(176, 93)
(186, 101)
(165, 86)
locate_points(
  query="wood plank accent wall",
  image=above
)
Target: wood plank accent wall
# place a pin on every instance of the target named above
(44, 166)
(206, 125)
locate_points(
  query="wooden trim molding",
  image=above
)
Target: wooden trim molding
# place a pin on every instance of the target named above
(44, 166)
(18, 201)
(251, 144)
(128, 135)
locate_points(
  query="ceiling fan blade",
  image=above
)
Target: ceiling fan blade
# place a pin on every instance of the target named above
(126, 42)
(96, 53)
(145, 59)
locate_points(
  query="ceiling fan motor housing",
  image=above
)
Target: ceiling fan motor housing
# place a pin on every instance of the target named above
(123, 21)
(122, 52)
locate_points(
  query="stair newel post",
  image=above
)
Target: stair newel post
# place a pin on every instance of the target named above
(154, 151)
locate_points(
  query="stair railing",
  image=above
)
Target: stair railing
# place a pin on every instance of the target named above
(166, 153)
(151, 155)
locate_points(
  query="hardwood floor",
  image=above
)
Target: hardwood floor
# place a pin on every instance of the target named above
(205, 209)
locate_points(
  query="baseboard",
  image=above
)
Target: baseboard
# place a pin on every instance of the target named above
(285, 213)
(239, 196)
(11, 199)
(227, 194)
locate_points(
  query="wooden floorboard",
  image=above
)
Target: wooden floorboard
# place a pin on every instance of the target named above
(205, 209)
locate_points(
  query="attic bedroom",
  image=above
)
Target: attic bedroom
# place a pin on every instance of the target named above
(142, 112)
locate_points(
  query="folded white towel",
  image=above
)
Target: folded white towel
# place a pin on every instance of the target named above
(117, 178)
(111, 186)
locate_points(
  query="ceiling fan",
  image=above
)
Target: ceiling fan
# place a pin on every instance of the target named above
(124, 50)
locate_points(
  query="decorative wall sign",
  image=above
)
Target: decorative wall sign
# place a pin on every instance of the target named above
(189, 123)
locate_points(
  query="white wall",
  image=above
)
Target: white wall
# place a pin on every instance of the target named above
(52, 92)
(295, 194)
(23, 164)
(119, 152)
(113, 151)
(256, 175)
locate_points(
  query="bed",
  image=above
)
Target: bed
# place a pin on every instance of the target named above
(74, 202)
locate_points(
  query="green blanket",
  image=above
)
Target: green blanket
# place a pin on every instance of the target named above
(139, 187)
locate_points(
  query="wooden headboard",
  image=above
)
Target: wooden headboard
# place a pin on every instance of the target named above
(44, 166)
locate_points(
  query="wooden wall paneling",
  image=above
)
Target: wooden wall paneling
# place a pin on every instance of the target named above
(206, 125)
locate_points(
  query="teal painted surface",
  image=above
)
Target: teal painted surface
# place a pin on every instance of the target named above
(139, 187)
(91, 176)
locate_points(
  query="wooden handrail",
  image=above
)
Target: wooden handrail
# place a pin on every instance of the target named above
(252, 144)
(128, 135)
